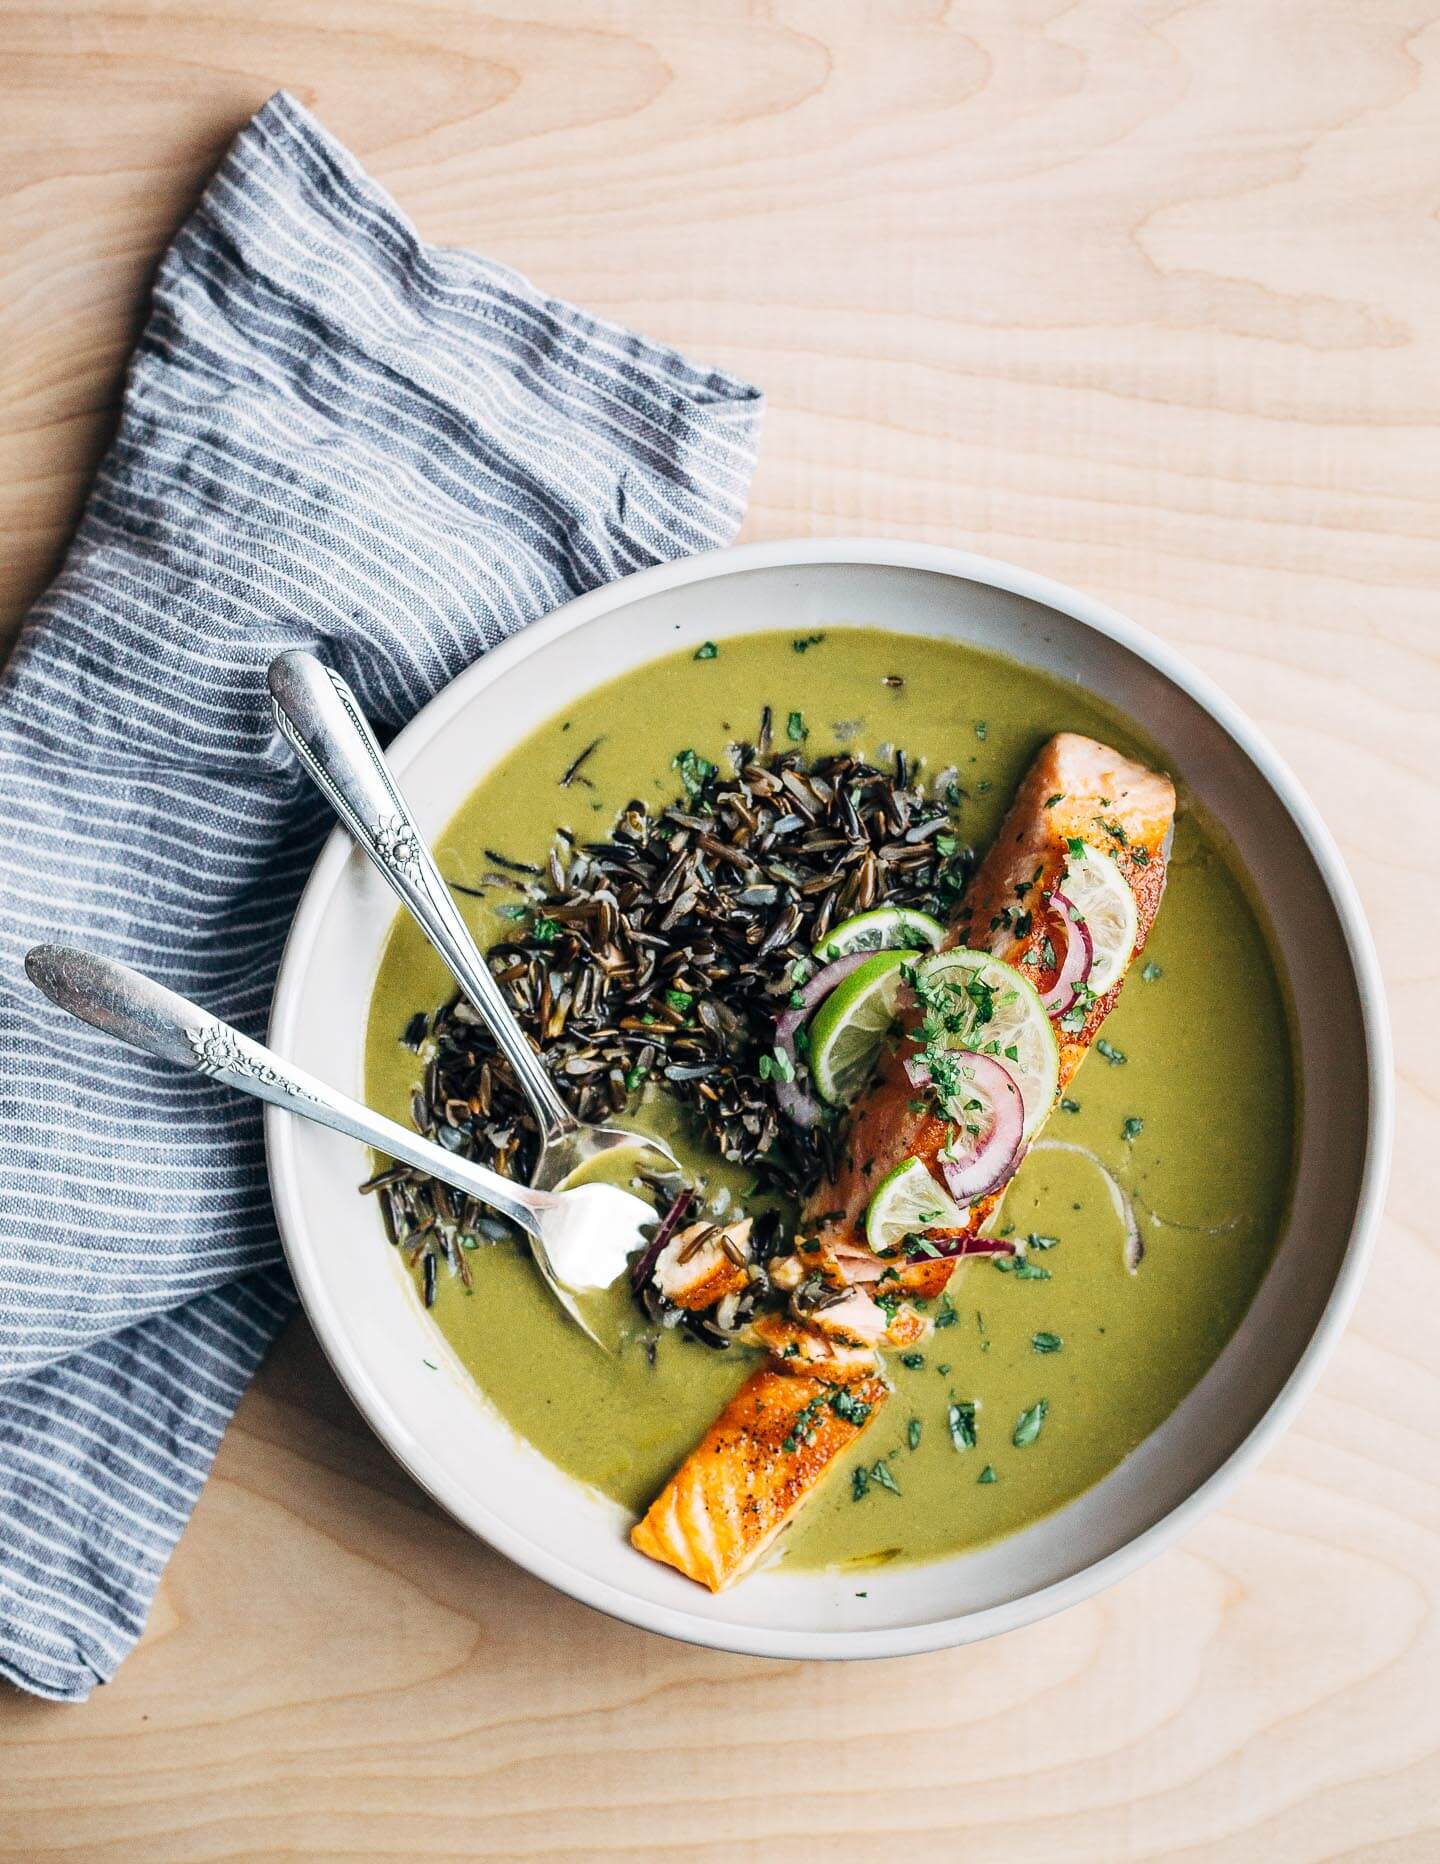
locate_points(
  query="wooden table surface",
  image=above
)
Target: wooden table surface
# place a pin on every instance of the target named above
(1145, 296)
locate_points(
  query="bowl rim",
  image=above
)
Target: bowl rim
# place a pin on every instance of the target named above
(469, 1509)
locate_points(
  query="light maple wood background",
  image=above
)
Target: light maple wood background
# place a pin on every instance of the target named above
(1142, 295)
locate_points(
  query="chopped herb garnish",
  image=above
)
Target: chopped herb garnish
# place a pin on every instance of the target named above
(1140, 857)
(912, 1433)
(880, 1472)
(805, 642)
(946, 1316)
(1020, 1268)
(987, 1474)
(634, 1079)
(1036, 1241)
(1132, 1129)
(1058, 797)
(1046, 1342)
(946, 844)
(849, 1408)
(1114, 1056)
(1073, 1021)
(795, 728)
(1076, 847)
(981, 730)
(1027, 1425)
(545, 931)
(707, 651)
(913, 1360)
(859, 1483)
(511, 912)
(1114, 830)
(679, 1000)
(695, 771)
(1150, 972)
(960, 1421)
(1069, 1106)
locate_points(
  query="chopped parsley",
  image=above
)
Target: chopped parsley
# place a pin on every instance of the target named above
(913, 1360)
(1115, 1057)
(511, 912)
(987, 1474)
(912, 1433)
(960, 1421)
(1036, 1241)
(695, 770)
(804, 642)
(1058, 797)
(880, 1472)
(795, 728)
(1046, 1342)
(1069, 1106)
(981, 729)
(1021, 1268)
(545, 931)
(946, 1317)
(1150, 973)
(707, 651)
(849, 1408)
(679, 1000)
(1132, 1129)
(1076, 846)
(859, 1483)
(1027, 1425)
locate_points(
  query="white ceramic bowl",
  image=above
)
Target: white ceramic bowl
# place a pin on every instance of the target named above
(396, 1366)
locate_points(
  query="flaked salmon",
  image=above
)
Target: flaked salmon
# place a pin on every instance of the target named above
(766, 1453)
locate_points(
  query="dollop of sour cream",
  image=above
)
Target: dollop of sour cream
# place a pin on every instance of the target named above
(591, 1235)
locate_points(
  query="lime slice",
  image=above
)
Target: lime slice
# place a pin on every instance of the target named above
(851, 1025)
(963, 985)
(1101, 895)
(909, 1200)
(885, 928)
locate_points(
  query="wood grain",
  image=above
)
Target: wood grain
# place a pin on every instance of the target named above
(1142, 295)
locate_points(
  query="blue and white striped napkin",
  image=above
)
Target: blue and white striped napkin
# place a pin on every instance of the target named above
(333, 437)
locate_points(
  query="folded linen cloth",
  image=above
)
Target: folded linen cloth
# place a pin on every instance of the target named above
(333, 437)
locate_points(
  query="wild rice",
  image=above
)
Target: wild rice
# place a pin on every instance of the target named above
(664, 953)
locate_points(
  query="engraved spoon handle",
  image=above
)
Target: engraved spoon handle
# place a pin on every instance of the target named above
(321, 717)
(135, 1009)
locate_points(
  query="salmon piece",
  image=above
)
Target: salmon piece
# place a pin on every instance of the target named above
(796, 1347)
(699, 1266)
(766, 1453)
(1076, 787)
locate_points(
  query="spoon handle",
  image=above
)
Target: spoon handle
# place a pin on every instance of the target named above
(322, 719)
(145, 1014)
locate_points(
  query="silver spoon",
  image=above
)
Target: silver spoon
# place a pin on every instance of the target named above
(322, 719)
(562, 1226)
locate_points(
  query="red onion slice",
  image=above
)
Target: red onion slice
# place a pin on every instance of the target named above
(1075, 965)
(957, 1243)
(975, 1164)
(669, 1223)
(794, 1100)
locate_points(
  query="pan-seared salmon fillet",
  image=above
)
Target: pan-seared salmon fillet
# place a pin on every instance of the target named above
(783, 1431)
(1076, 792)
(767, 1451)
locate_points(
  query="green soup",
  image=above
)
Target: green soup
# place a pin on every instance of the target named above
(1193, 1112)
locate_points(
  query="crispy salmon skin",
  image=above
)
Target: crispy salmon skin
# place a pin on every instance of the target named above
(768, 1450)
